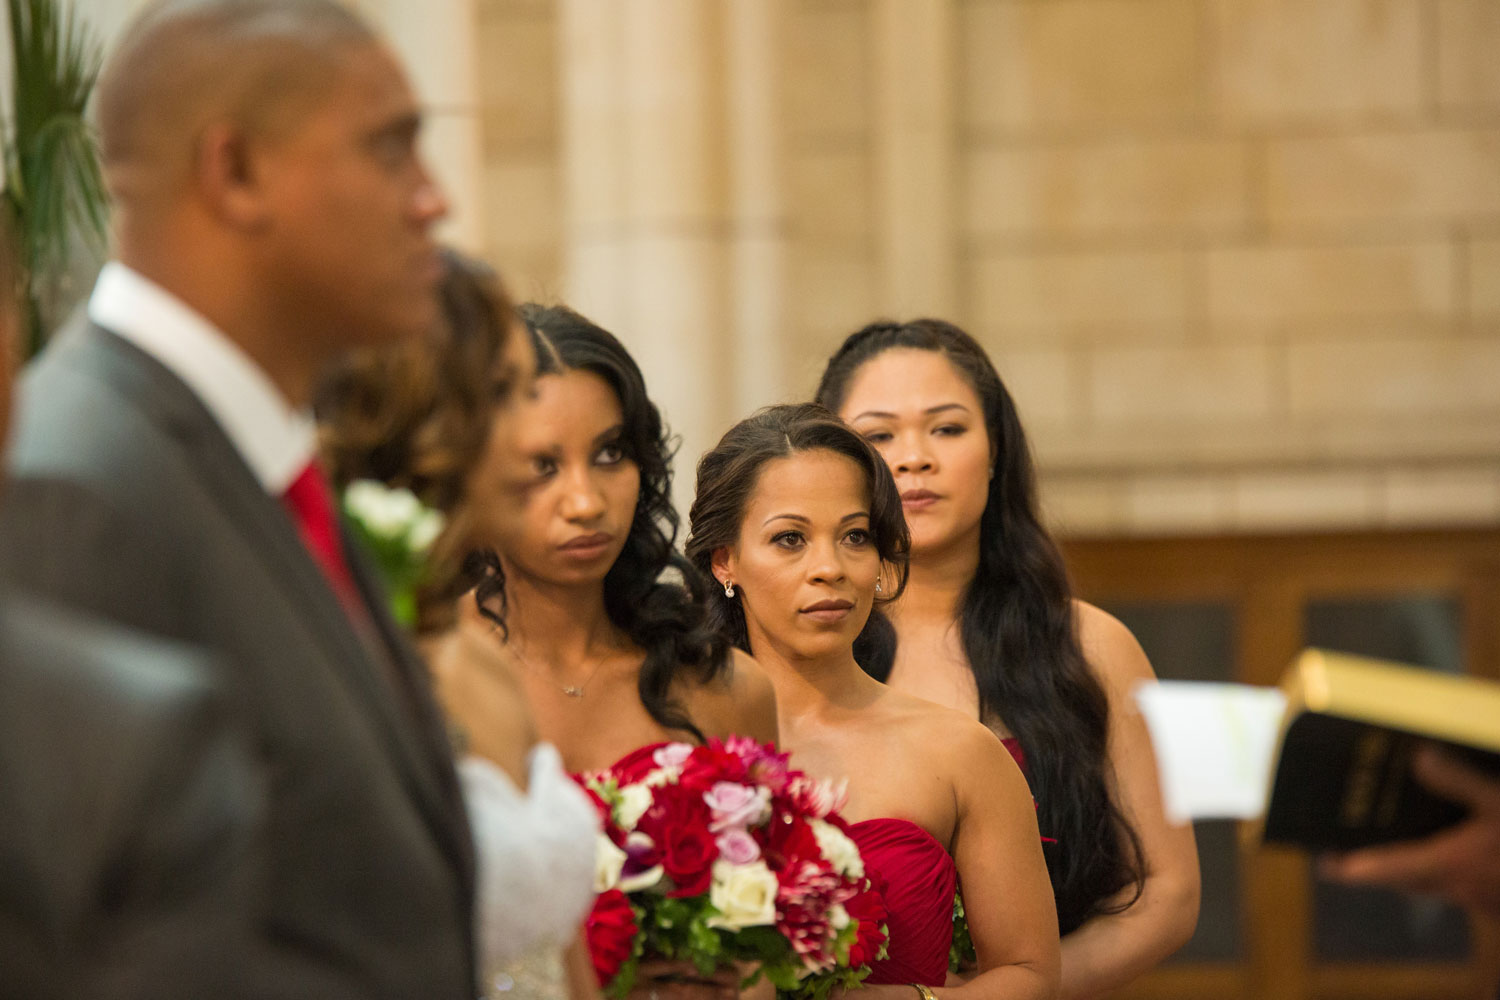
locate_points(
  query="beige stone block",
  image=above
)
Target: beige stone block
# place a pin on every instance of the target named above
(1484, 279)
(1290, 282)
(1442, 495)
(518, 77)
(1284, 58)
(1082, 506)
(450, 147)
(1298, 500)
(1074, 290)
(1196, 384)
(828, 65)
(1394, 376)
(829, 197)
(832, 288)
(1432, 176)
(1077, 63)
(1042, 381)
(1468, 40)
(1179, 503)
(531, 274)
(1112, 186)
(523, 203)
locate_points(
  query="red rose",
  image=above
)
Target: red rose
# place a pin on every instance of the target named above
(710, 764)
(688, 853)
(610, 932)
(673, 807)
(868, 908)
(791, 842)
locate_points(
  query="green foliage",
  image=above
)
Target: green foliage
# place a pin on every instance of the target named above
(961, 955)
(54, 187)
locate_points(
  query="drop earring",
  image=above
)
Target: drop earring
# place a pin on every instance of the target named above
(877, 586)
(728, 588)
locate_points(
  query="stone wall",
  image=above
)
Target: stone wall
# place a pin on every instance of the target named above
(1239, 260)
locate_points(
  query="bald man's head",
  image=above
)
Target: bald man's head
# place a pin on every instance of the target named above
(186, 64)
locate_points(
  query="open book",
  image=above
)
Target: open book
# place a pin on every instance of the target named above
(1325, 761)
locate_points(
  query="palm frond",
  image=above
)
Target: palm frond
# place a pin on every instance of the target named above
(54, 185)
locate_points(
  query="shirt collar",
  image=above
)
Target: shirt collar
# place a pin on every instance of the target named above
(275, 440)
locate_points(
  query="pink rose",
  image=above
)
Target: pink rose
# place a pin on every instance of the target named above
(736, 805)
(738, 847)
(672, 756)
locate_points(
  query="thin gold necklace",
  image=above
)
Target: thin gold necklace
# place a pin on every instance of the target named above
(571, 690)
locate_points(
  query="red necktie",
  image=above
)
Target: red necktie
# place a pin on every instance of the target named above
(311, 503)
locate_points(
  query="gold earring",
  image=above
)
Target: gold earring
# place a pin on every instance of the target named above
(728, 588)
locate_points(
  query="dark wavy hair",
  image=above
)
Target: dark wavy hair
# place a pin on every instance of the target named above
(1019, 631)
(651, 593)
(418, 414)
(727, 476)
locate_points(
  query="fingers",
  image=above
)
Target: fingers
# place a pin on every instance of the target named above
(1445, 775)
(1418, 866)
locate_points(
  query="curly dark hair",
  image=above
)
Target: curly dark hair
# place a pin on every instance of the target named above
(727, 476)
(418, 414)
(651, 593)
(1019, 632)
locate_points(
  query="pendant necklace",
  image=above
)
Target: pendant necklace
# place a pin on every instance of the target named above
(571, 690)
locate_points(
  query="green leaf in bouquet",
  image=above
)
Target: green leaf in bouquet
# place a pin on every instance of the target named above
(961, 954)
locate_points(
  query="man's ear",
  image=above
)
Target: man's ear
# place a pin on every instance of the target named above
(227, 176)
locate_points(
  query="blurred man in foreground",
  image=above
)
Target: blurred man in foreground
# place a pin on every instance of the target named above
(271, 213)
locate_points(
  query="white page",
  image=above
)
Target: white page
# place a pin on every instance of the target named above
(1215, 746)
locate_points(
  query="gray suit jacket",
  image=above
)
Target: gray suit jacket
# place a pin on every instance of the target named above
(130, 808)
(126, 499)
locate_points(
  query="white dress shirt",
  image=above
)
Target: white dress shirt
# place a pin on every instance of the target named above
(274, 439)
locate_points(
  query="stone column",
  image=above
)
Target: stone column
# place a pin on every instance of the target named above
(435, 40)
(914, 143)
(674, 217)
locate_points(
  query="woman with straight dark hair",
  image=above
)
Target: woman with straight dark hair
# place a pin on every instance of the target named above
(988, 626)
(799, 521)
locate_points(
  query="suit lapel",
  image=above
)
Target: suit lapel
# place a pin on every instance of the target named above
(268, 529)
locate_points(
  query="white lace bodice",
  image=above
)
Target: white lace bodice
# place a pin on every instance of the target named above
(535, 856)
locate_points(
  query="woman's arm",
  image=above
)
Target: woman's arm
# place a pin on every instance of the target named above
(1007, 895)
(1111, 950)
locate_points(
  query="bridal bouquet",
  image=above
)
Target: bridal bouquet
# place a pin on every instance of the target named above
(721, 854)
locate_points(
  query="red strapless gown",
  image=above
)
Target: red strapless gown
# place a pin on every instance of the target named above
(920, 879)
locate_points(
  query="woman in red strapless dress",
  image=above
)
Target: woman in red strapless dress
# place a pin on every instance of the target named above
(800, 522)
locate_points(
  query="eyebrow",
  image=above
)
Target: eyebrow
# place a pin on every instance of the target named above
(802, 520)
(930, 411)
(613, 432)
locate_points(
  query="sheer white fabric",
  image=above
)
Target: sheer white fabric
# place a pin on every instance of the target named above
(535, 854)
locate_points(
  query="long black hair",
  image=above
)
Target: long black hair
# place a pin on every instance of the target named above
(651, 593)
(727, 475)
(1019, 631)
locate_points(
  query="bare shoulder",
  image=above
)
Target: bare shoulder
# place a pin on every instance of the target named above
(739, 702)
(959, 745)
(1111, 648)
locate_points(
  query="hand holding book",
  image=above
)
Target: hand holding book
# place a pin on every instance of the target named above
(1461, 863)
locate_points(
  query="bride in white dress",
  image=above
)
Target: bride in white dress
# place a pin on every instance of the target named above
(534, 831)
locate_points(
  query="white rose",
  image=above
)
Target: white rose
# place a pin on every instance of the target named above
(744, 895)
(424, 531)
(609, 861)
(838, 849)
(631, 804)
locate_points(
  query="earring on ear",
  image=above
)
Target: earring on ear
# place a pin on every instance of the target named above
(877, 586)
(728, 588)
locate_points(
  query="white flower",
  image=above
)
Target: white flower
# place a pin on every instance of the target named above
(672, 756)
(838, 917)
(385, 512)
(609, 860)
(657, 778)
(744, 895)
(424, 531)
(642, 880)
(838, 849)
(631, 804)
